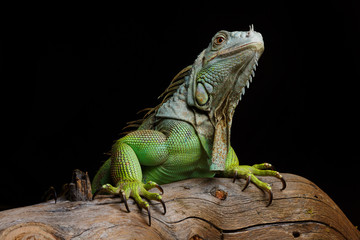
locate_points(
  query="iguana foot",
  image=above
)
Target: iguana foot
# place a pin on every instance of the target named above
(49, 194)
(134, 189)
(250, 172)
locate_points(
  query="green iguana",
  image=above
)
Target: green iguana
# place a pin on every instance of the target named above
(188, 134)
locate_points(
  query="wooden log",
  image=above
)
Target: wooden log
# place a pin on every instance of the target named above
(196, 209)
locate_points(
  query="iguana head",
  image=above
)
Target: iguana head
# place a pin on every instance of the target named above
(218, 79)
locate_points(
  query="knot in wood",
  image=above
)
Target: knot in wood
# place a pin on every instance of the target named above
(196, 237)
(219, 193)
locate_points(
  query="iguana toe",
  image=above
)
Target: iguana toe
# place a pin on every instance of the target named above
(247, 182)
(51, 192)
(150, 184)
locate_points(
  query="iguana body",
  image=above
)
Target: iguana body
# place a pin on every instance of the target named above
(188, 134)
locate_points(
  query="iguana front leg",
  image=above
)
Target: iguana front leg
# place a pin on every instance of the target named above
(142, 146)
(233, 169)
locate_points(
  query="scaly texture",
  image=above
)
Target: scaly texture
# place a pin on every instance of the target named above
(188, 134)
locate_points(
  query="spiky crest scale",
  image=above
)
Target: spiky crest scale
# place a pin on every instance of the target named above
(175, 83)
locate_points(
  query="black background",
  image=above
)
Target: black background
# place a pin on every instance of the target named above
(71, 79)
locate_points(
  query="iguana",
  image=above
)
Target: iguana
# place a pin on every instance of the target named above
(188, 134)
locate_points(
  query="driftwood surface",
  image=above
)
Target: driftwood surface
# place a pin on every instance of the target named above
(196, 209)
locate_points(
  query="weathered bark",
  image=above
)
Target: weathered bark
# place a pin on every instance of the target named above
(196, 209)
(80, 187)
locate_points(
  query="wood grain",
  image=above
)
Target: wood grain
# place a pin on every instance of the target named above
(196, 209)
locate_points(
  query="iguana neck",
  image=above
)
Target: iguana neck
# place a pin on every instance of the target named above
(177, 108)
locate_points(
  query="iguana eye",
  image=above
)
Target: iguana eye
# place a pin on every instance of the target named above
(219, 40)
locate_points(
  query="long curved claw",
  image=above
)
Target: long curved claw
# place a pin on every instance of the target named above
(53, 192)
(235, 176)
(163, 204)
(50, 192)
(123, 198)
(148, 210)
(160, 189)
(247, 182)
(270, 197)
(283, 183)
(96, 193)
(278, 175)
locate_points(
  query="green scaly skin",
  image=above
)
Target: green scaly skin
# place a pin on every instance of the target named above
(170, 147)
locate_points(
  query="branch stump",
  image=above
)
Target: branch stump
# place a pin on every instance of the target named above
(212, 208)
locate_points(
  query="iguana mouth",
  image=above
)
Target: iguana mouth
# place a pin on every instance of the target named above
(237, 49)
